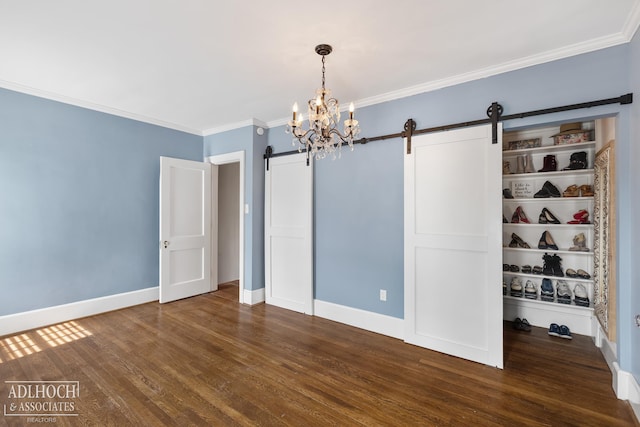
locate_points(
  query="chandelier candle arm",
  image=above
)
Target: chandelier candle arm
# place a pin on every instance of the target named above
(323, 137)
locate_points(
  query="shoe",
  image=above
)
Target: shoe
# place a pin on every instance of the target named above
(549, 164)
(546, 242)
(530, 290)
(521, 243)
(563, 292)
(547, 268)
(580, 217)
(505, 267)
(546, 290)
(513, 243)
(577, 160)
(504, 287)
(528, 168)
(520, 164)
(537, 269)
(522, 216)
(524, 326)
(565, 332)
(546, 217)
(583, 274)
(516, 287)
(579, 243)
(554, 330)
(506, 168)
(571, 191)
(514, 268)
(586, 191)
(571, 273)
(504, 220)
(556, 266)
(526, 269)
(515, 218)
(547, 190)
(506, 193)
(581, 298)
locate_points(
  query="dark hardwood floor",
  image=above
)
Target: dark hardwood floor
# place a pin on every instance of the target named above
(208, 361)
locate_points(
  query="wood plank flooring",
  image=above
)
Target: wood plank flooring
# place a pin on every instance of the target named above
(208, 361)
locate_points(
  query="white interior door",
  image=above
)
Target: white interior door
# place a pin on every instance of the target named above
(453, 248)
(288, 233)
(185, 228)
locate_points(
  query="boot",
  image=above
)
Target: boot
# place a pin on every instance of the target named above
(557, 266)
(547, 267)
(520, 167)
(577, 161)
(549, 164)
(528, 168)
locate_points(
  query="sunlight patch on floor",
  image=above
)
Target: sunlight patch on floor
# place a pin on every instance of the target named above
(17, 346)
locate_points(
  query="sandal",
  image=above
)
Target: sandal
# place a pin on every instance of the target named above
(571, 191)
(586, 191)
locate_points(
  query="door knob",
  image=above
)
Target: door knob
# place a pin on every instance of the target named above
(165, 244)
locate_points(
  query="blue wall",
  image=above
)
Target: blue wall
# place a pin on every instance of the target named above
(359, 198)
(246, 139)
(79, 201)
(631, 306)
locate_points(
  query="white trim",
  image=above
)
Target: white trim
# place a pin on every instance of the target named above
(549, 56)
(236, 125)
(253, 297)
(367, 320)
(13, 323)
(233, 157)
(632, 23)
(95, 107)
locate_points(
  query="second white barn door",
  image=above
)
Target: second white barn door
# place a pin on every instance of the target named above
(289, 233)
(453, 248)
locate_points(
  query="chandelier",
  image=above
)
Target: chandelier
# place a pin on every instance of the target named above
(323, 136)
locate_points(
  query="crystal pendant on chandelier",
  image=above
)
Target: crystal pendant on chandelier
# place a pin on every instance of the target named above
(323, 136)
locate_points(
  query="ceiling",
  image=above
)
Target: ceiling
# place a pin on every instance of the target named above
(204, 66)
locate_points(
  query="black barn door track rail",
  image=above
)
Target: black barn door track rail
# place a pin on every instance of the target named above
(494, 114)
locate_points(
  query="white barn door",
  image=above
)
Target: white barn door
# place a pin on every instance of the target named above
(288, 227)
(453, 248)
(185, 229)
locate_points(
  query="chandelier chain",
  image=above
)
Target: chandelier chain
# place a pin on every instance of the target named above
(323, 72)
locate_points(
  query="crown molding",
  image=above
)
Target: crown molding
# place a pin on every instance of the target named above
(236, 125)
(632, 23)
(95, 107)
(576, 49)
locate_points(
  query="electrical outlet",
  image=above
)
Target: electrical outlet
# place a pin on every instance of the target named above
(383, 294)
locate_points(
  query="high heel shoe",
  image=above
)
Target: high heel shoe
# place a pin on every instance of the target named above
(580, 217)
(546, 242)
(571, 191)
(586, 191)
(522, 216)
(521, 243)
(546, 217)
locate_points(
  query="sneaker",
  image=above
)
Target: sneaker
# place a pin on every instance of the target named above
(530, 290)
(546, 290)
(516, 287)
(504, 287)
(581, 295)
(565, 332)
(563, 292)
(554, 330)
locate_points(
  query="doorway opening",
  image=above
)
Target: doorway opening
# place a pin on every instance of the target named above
(227, 222)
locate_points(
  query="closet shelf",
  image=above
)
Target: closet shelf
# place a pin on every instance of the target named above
(551, 148)
(557, 305)
(559, 173)
(549, 251)
(541, 276)
(509, 225)
(548, 200)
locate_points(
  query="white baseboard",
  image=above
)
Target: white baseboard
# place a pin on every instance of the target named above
(374, 322)
(253, 297)
(624, 383)
(13, 323)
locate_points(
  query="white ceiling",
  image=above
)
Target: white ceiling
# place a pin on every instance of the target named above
(207, 65)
